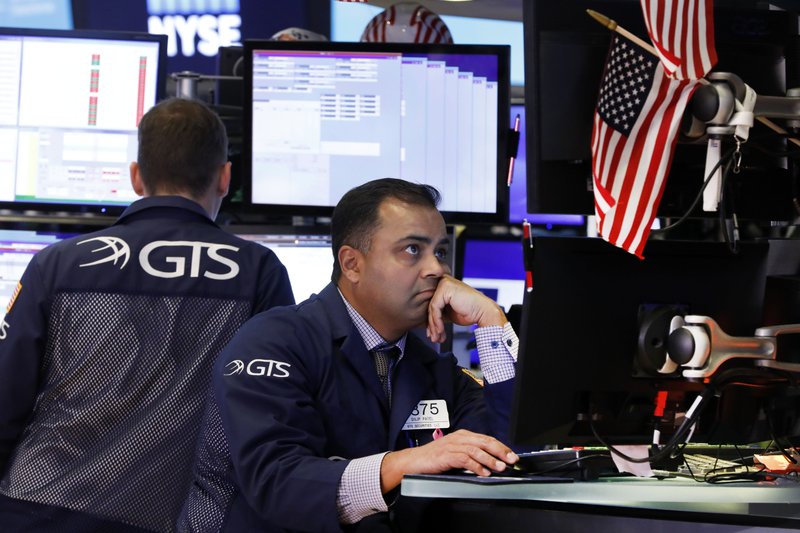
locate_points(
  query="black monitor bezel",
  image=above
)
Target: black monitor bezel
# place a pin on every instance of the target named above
(561, 91)
(597, 307)
(98, 209)
(451, 217)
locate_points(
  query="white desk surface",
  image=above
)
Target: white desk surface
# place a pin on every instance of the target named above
(781, 498)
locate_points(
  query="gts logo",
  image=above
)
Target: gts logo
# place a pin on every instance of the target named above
(258, 367)
(169, 259)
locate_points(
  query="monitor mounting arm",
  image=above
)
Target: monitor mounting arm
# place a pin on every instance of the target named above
(699, 346)
(186, 82)
(715, 103)
(726, 106)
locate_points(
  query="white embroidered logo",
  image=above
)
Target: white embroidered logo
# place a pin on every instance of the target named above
(259, 367)
(118, 249)
(235, 367)
(184, 260)
(179, 262)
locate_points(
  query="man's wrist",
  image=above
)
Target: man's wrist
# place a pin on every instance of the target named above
(493, 317)
(391, 474)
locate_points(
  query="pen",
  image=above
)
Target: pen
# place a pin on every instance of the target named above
(514, 153)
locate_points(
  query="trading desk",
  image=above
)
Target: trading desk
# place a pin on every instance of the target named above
(618, 504)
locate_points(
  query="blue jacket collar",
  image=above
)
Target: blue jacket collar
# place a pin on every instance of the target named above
(150, 202)
(341, 324)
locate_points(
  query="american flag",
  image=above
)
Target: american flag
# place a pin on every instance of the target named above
(683, 33)
(633, 137)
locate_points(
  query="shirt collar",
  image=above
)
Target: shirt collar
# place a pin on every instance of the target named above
(164, 201)
(372, 339)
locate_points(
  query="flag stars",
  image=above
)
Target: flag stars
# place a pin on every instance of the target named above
(627, 77)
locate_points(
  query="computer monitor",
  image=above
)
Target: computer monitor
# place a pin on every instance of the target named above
(307, 256)
(493, 266)
(71, 103)
(565, 54)
(54, 14)
(321, 118)
(517, 191)
(581, 379)
(17, 248)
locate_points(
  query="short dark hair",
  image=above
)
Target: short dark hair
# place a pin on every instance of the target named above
(182, 145)
(356, 217)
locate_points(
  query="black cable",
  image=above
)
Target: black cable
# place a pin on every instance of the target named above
(562, 465)
(732, 477)
(677, 438)
(752, 143)
(723, 159)
(723, 380)
(726, 197)
(781, 447)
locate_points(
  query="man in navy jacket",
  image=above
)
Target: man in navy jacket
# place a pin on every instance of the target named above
(317, 440)
(107, 348)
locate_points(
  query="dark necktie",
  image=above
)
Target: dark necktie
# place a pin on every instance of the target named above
(385, 359)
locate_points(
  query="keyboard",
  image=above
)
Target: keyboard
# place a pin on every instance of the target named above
(702, 459)
(723, 451)
(698, 464)
(580, 464)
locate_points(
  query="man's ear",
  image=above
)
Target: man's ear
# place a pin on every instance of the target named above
(350, 261)
(136, 179)
(224, 180)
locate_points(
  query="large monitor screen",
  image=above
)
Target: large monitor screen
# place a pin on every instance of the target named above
(17, 248)
(70, 103)
(321, 118)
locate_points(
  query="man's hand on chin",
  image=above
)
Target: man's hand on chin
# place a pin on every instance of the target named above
(459, 303)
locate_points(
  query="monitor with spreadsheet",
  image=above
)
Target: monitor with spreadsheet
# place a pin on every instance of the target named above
(307, 256)
(70, 103)
(321, 118)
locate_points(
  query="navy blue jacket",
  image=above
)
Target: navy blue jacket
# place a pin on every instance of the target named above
(106, 356)
(297, 386)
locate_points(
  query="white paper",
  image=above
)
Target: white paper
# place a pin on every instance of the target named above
(640, 451)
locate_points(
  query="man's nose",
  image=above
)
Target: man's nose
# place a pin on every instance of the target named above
(435, 267)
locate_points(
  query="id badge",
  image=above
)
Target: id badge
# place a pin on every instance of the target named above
(428, 414)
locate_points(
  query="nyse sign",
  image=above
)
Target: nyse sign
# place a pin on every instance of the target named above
(197, 33)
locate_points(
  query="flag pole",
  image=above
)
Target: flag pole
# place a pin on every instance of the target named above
(612, 25)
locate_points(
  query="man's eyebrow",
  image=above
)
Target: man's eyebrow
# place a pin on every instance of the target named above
(424, 239)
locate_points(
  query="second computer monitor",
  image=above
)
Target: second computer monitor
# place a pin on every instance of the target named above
(307, 256)
(70, 104)
(322, 118)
